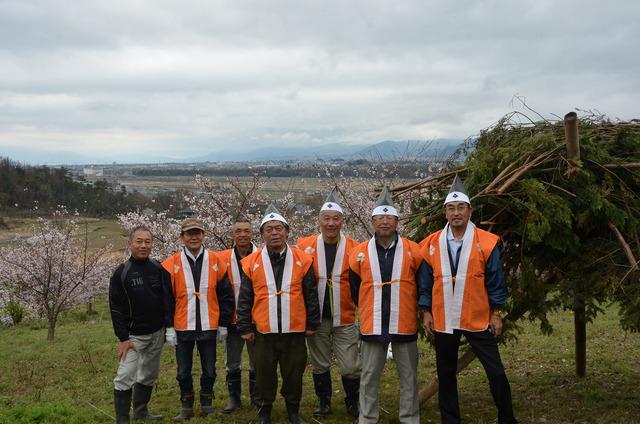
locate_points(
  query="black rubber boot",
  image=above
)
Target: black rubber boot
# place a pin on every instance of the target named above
(234, 387)
(206, 403)
(186, 412)
(264, 414)
(252, 387)
(292, 413)
(322, 384)
(122, 402)
(352, 395)
(141, 398)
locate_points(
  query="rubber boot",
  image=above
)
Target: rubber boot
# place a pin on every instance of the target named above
(322, 384)
(122, 402)
(141, 398)
(264, 414)
(234, 386)
(352, 394)
(206, 403)
(252, 387)
(292, 413)
(186, 412)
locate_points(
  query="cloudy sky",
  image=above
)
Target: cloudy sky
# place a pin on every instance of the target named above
(129, 80)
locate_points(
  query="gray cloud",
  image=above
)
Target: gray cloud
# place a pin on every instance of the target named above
(187, 78)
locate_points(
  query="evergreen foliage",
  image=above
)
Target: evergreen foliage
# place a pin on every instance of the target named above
(557, 219)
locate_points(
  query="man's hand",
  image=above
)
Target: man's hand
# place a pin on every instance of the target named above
(171, 337)
(249, 337)
(495, 322)
(309, 333)
(428, 321)
(123, 348)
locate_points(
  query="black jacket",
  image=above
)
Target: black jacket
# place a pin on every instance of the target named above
(246, 296)
(136, 301)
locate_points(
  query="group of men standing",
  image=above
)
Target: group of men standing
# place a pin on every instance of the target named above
(280, 299)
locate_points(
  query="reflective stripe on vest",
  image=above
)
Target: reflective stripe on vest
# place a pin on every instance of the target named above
(235, 272)
(344, 309)
(264, 313)
(460, 301)
(402, 288)
(283, 293)
(336, 273)
(186, 295)
(394, 311)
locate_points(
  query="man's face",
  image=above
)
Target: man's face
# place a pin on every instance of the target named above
(330, 223)
(241, 234)
(192, 239)
(140, 244)
(274, 234)
(384, 225)
(457, 214)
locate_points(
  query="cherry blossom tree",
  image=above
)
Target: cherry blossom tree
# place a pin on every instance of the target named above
(218, 205)
(164, 229)
(54, 269)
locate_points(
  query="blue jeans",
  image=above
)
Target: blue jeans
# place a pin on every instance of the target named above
(184, 359)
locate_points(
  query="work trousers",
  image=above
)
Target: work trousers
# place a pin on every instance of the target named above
(374, 357)
(485, 347)
(184, 360)
(234, 344)
(343, 341)
(290, 352)
(142, 366)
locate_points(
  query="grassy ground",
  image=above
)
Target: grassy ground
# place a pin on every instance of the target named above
(69, 380)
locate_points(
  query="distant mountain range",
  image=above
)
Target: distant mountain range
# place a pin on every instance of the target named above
(385, 150)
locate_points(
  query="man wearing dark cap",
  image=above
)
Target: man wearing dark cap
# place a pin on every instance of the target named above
(277, 307)
(464, 294)
(201, 301)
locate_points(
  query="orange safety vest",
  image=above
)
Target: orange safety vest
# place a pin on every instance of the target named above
(183, 287)
(460, 301)
(403, 313)
(233, 273)
(337, 280)
(264, 314)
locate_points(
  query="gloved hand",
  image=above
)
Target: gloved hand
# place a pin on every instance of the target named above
(171, 337)
(222, 334)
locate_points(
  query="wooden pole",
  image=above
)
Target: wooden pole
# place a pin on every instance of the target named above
(579, 312)
(571, 136)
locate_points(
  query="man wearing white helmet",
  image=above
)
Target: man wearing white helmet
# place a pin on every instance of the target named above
(337, 334)
(277, 308)
(464, 294)
(384, 278)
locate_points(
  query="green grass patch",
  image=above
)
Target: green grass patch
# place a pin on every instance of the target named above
(69, 380)
(45, 414)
